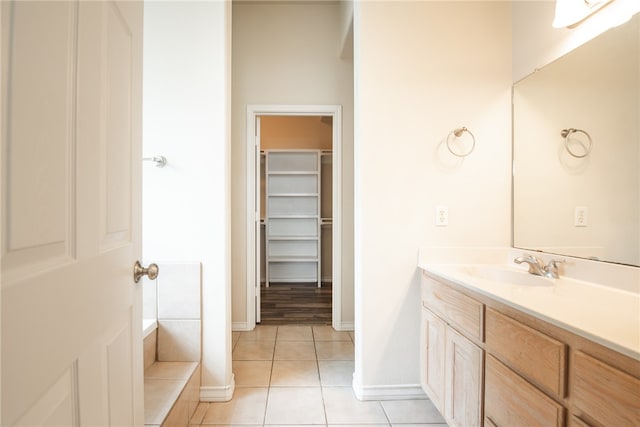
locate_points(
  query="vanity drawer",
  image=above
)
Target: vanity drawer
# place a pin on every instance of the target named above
(531, 353)
(460, 311)
(604, 393)
(512, 401)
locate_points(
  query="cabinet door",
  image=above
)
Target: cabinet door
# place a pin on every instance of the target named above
(433, 358)
(463, 380)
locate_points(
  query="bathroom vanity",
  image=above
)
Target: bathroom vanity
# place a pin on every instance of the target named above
(498, 348)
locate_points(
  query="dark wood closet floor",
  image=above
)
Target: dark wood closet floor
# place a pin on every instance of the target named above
(295, 303)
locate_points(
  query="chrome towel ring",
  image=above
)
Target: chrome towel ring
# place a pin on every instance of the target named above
(457, 133)
(566, 133)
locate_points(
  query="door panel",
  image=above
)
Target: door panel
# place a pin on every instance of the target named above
(71, 313)
(58, 406)
(39, 199)
(117, 132)
(120, 374)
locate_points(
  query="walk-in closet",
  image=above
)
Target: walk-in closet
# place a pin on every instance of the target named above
(296, 219)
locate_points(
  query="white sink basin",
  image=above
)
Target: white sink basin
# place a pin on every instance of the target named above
(504, 274)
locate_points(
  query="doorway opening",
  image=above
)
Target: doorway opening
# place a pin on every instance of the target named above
(294, 214)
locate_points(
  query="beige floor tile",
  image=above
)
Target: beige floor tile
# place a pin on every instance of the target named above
(295, 333)
(357, 425)
(235, 336)
(254, 350)
(198, 414)
(295, 405)
(334, 350)
(352, 334)
(291, 425)
(411, 412)
(252, 373)
(336, 372)
(327, 333)
(342, 407)
(295, 373)
(260, 333)
(246, 407)
(295, 350)
(421, 425)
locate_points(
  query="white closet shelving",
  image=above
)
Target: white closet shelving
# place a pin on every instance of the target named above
(293, 216)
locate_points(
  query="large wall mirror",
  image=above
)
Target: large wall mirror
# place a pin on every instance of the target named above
(577, 193)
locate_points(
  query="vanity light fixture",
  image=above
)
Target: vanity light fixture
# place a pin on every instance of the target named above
(571, 12)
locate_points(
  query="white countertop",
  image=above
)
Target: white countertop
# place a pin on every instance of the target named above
(603, 314)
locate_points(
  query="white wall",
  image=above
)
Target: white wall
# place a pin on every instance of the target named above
(422, 69)
(186, 204)
(288, 54)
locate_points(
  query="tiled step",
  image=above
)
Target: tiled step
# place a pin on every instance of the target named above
(171, 393)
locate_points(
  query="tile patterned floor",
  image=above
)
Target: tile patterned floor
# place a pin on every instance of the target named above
(295, 375)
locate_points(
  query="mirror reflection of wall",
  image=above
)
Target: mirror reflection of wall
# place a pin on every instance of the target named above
(586, 207)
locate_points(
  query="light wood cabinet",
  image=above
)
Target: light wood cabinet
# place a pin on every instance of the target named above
(512, 401)
(605, 394)
(459, 310)
(577, 422)
(452, 364)
(433, 355)
(535, 373)
(463, 381)
(532, 354)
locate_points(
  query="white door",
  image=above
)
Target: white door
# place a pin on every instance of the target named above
(71, 141)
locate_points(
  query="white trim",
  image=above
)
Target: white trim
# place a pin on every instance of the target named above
(219, 393)
(241, 326)
(335, 111)
(389, 392)
(345, 326)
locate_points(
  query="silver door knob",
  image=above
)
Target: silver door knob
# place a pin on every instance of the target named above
(139, 271)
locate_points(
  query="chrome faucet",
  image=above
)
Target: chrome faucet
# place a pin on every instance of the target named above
(537, 268)
(535, 265)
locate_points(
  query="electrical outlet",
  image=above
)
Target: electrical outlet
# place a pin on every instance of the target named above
(442, 216)
(581, 218)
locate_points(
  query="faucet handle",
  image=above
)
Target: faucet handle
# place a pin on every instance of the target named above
(553, 263)
(551, 270)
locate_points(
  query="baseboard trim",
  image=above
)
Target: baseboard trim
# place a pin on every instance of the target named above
(217, 394)
(240, 326)
(389, 392)
(346, 326)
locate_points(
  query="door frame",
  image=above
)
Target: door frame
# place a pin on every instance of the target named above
(252, 215)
